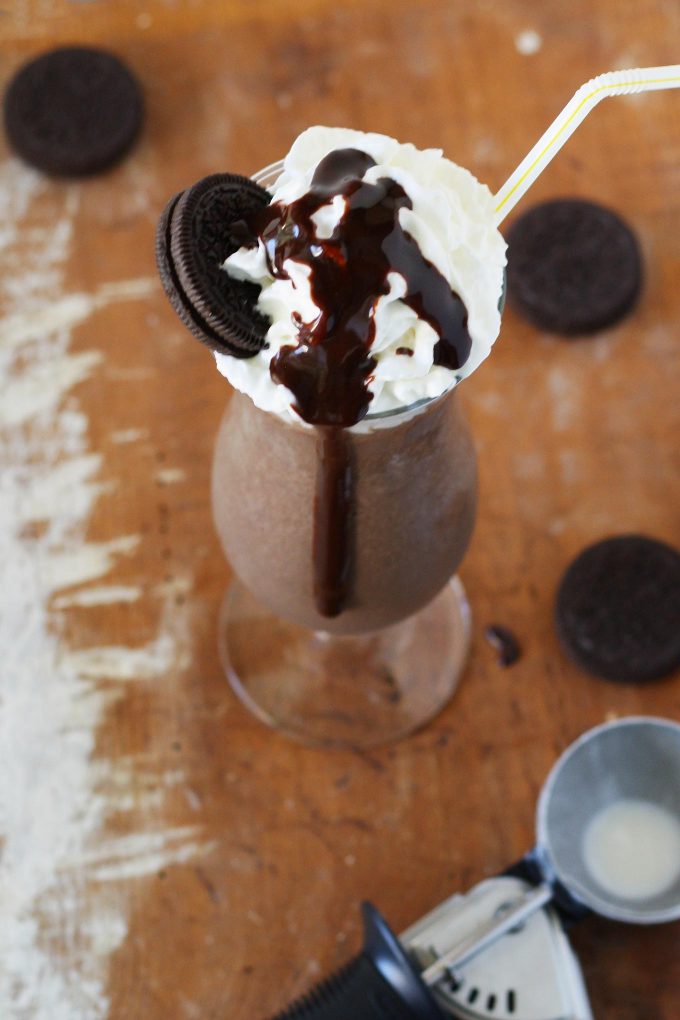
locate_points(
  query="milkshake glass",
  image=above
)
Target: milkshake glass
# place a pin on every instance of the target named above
(392, 658)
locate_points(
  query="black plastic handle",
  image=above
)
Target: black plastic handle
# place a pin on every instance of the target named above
(530, 868)
(378, 984)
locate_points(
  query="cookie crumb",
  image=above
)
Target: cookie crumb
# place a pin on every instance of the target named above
(505, 643)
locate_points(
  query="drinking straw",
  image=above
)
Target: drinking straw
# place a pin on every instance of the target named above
(613, 83)
(268, 170)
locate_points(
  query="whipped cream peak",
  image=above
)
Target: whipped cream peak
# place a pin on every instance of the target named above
(378, 262)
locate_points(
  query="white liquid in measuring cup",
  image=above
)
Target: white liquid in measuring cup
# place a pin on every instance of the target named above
(632, 849)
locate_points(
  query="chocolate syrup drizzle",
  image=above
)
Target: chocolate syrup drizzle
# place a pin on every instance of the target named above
(329, 368)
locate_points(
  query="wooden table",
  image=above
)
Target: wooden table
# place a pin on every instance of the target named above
(164, 854)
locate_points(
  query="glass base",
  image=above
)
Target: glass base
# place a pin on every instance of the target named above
(354, 692)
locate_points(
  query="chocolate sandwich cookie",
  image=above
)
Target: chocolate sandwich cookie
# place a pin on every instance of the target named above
(618, 609)
(73, 111)
(195, 235)
(574, 267)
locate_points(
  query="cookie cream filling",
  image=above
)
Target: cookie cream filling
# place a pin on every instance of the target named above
(449, 216)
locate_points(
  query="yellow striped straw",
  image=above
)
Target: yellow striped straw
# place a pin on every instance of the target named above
(613, 83)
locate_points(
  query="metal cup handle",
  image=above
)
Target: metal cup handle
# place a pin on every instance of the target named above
(481, 938)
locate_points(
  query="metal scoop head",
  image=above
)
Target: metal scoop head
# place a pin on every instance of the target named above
(632, 759)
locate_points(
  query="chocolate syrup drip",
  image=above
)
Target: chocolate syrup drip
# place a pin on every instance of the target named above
(329, 368)
(333, 521)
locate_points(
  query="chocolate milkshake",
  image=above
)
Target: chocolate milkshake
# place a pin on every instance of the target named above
(330, 251)
(344, 478)
(408, 514)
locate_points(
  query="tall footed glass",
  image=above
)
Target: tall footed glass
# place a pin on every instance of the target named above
(392, 657)
(380, 660)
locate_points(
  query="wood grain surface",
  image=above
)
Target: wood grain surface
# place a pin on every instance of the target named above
(213, 869)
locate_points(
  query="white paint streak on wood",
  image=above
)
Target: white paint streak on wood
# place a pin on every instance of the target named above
(174, 586)
(140, 854)
(566, 398)
(169, 476)
(129, 786)
(68, 567)
(121, 436)
(121, 663)
(124, 290)
(64, 490)
(103, 595)
(41, 390)
(193, 799)
(57, 795)
(64, 313)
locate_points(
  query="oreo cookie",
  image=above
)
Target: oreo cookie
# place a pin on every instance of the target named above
(195, 235)
(617, 610)
(73, 111)
(574, 267)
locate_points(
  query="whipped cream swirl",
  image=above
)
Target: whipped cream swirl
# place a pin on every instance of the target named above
(451, 221)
